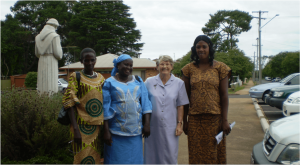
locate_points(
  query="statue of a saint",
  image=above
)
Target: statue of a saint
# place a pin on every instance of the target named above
(49, 51)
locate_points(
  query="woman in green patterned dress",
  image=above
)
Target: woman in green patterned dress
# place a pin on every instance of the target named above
(87, 117)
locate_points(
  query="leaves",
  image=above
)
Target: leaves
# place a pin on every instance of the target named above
(239, 63)
(224, 27)
(105, 26)
(31, 80)
(282, 65)
(180, 63)
(28, 128)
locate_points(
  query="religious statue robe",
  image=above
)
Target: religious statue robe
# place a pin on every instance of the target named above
(48, 49)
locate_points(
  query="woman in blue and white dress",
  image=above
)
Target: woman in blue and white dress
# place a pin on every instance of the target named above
(125, 102)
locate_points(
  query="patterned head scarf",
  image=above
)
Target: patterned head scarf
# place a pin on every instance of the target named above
(118, 60)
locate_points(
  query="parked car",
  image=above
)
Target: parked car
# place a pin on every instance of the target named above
(259, 91)
(292, 104)
(278, 95)
(276, 79)
(62, 84)
(268, 78)
(280, 144)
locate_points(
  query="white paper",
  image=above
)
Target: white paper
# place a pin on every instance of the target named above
(219, 137)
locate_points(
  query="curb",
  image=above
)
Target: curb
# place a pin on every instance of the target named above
(263, 121)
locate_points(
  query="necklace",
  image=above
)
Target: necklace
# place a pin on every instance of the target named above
(89, 76)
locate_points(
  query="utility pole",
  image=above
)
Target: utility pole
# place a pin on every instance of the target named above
(174, 57)
(254, 68)
(259, 39)
(256, 58)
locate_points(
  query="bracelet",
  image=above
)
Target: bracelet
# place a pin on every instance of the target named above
(179, 122)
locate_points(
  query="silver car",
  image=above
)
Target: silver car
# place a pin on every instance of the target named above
(259, 91)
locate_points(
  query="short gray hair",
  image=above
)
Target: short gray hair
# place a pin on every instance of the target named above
(165, 58)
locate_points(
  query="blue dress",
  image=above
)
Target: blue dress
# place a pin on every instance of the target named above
(123, 110)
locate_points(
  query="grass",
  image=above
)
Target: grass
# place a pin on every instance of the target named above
(232, 91)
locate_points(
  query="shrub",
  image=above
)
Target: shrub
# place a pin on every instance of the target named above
(28, 125)
(31, 80)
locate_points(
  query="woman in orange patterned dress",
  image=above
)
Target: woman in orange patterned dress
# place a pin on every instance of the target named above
(206, 82)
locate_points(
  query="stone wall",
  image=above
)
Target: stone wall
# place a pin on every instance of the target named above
(150, 73)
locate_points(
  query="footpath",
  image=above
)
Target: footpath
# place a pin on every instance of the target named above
(244, 135)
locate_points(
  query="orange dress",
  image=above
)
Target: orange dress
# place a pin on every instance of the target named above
(205, 119)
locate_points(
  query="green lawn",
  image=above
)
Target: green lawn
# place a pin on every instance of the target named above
(231, 91)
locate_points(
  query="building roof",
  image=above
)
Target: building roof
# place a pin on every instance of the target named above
(106, 62)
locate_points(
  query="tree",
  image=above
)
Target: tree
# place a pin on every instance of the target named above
(105, 26)
(240, 64)
(290, 64)
(267, 70)
(13, 39)
(181, 63)
(224, 26)
(276, 64)
(282, 64)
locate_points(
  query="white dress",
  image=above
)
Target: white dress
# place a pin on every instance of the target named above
(48, 49)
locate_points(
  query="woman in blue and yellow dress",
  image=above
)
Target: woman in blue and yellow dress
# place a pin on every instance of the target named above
(125, 102)
(87, 117)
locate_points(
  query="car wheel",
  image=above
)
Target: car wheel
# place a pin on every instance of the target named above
(263, 96)
(63, 90)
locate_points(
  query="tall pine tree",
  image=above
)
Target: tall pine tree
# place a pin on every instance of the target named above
(224, 26)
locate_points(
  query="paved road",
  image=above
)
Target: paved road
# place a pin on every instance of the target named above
(272, 113)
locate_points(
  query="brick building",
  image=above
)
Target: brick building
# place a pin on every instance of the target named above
(141, 66)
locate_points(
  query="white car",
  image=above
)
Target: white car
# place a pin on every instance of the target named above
(280, 144)
(277, 79)
(292, 104)
(62, 84)
(268, 78)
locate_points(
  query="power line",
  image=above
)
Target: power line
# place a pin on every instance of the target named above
(282, 44)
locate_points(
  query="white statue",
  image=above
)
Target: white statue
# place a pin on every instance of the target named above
(49, 51)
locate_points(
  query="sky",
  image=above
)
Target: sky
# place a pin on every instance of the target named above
(169, 27)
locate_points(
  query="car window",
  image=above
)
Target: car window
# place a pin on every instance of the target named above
(63, 81)
(295, 80)
(286, 79)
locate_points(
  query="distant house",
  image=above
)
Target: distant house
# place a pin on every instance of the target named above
(141, 66)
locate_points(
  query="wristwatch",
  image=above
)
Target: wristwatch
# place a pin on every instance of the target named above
(179, 122)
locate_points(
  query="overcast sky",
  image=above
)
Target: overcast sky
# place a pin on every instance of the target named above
(169, 27)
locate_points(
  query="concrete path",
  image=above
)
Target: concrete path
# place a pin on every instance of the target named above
(244, 135)
(245, 91)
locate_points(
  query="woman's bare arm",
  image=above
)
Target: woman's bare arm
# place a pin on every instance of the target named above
(186, 107)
